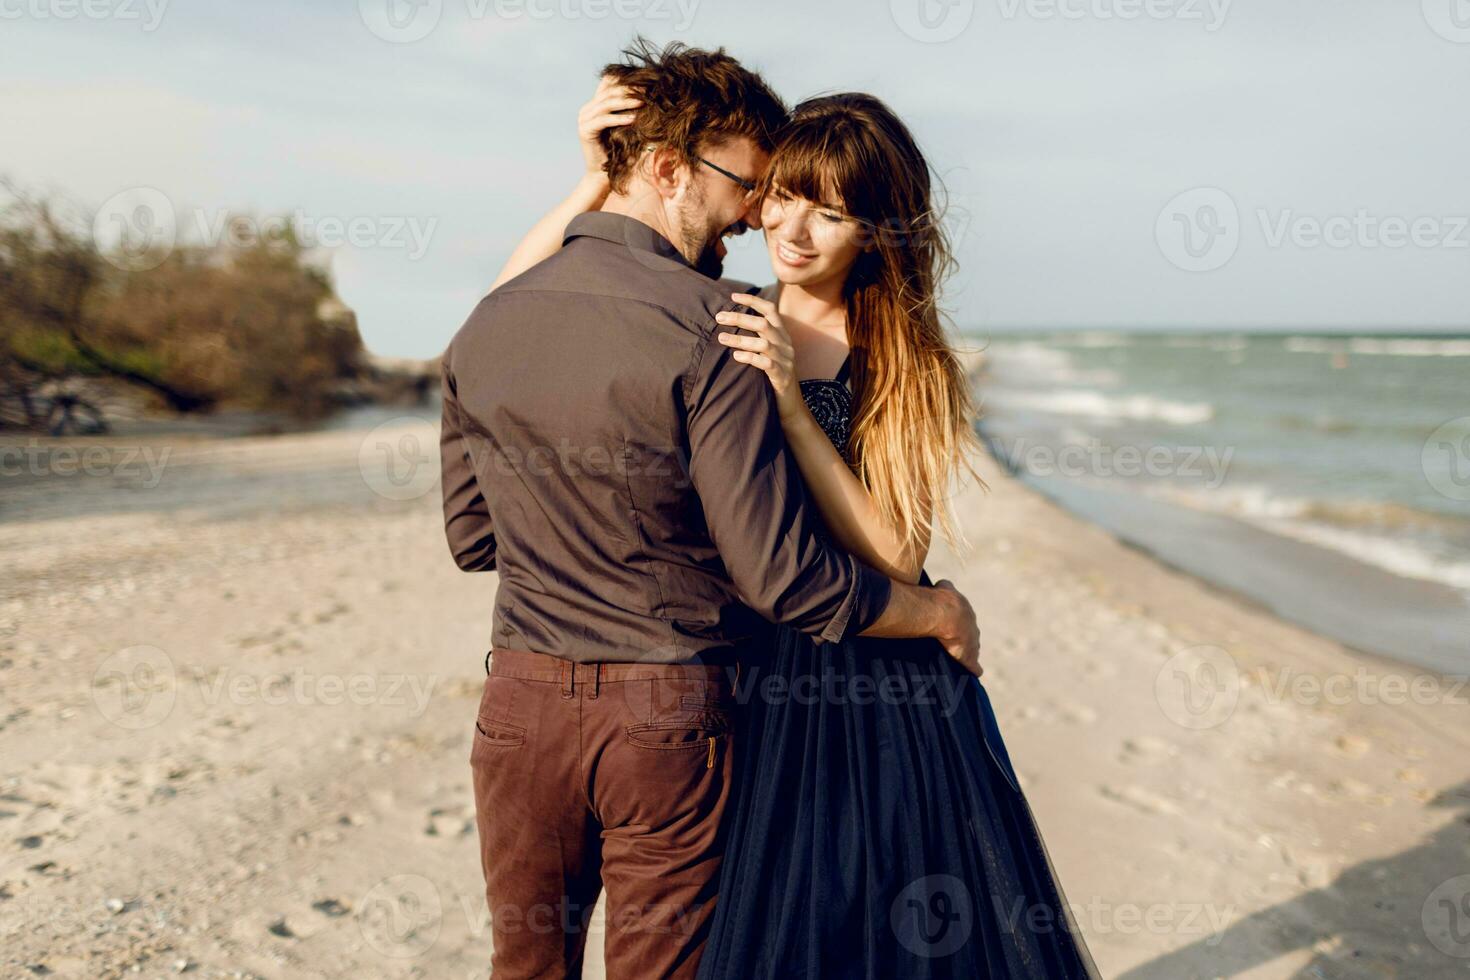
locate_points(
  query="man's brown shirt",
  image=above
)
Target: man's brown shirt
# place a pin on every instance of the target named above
(624, 474)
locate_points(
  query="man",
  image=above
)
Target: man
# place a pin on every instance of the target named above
(629, 481)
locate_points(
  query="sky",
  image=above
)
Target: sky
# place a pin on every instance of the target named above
(1189, 164)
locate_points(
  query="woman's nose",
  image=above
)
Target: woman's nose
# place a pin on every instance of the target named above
(793, 224)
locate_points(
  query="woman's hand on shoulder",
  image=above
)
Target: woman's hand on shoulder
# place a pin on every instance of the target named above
(769, 350)
(613, 104)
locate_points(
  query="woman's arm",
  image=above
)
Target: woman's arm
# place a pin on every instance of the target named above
(611, 105)
(545, 236)
(849, 510)
(846, 505)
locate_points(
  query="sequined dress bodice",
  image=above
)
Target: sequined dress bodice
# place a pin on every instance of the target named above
(829, 399)
(830, 402)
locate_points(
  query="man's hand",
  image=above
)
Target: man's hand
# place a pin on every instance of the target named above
(959, 632)
(937, 611)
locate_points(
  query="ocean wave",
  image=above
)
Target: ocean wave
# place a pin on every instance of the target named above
(1038, 362)
(1096, 405)
(1100, 338)
(1374, 532)
(1380, 346)
(1323, 422)
(1402, 558)
(1214, 342)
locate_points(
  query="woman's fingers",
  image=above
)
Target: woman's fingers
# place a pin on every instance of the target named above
(612, 105)
(764, 306)
(754, 360)
(744, 343)
(616, 100)
(601, 106)
(599, 123)
(614, 94)
(747, 320)
(773, 330)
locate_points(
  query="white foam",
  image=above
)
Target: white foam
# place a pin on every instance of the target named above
(1380, 346)
(1035, 362)
(1399, 557)
(1096, 405)
(1282, 515)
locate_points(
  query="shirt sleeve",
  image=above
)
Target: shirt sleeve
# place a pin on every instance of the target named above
(756, 508)
(467, 522)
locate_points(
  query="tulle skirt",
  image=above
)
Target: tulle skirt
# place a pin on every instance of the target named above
(877, 830)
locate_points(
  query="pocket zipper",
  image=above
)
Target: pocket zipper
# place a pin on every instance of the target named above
(710, 761)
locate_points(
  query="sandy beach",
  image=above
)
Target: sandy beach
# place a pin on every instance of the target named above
(237, 691)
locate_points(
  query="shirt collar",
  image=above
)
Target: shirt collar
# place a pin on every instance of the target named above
(622, 230)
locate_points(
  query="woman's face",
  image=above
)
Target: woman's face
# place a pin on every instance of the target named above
(810, 242)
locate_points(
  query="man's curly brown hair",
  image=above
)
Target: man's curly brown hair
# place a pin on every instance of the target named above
(692, 98)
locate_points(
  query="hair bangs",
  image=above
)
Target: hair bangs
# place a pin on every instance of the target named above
(814, 162)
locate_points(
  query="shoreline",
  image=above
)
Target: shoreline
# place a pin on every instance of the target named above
(1297, 830)
(1393, 607)
(1350, 567)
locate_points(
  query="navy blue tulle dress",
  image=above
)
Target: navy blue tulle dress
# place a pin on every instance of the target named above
(876, 829)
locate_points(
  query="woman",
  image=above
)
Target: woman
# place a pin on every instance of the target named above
(876, 829)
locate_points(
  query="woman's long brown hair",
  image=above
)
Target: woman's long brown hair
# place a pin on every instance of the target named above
(913, 420)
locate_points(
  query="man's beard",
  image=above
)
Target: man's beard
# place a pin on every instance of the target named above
(710, 262)
(696, 239)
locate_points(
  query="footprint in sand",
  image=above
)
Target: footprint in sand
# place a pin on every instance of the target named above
(1353, 745)
(1079, 714)
(455, 821)
(1146, 750)
(1141, 799)
(1359, 791)
(331, 908)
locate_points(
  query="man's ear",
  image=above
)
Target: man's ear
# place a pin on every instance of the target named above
(666, 171)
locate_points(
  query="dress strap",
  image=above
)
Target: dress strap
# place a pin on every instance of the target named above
(843, 371)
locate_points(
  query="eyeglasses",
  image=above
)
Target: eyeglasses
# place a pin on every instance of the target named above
(747, 185)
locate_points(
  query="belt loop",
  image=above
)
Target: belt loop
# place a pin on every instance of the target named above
(596, 678)
(568, 679)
